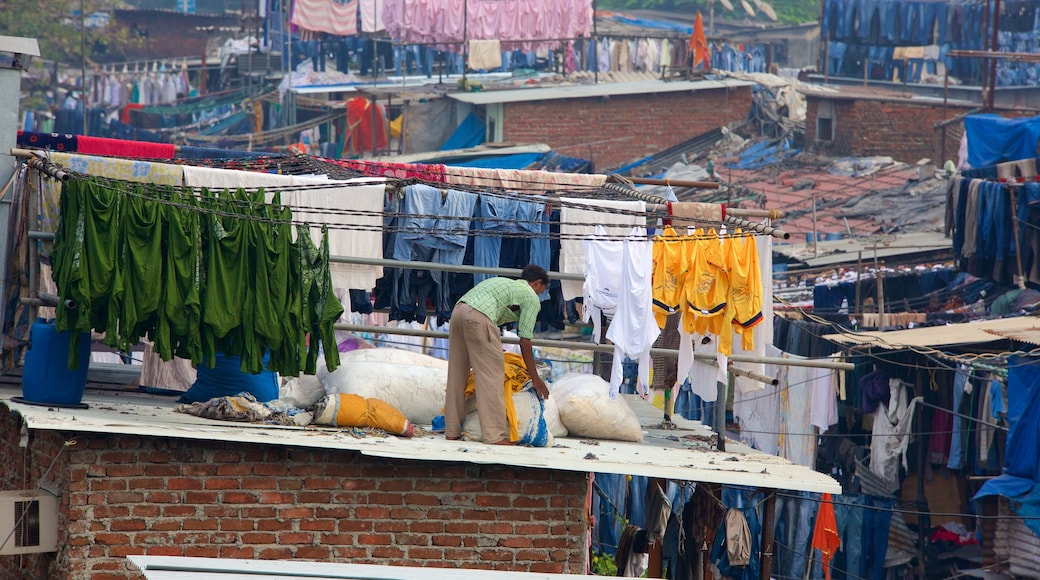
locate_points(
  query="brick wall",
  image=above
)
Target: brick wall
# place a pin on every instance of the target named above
(167, 34)
(899, 129)
(614, 131)
(127, 495)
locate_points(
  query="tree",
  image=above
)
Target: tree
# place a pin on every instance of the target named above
(55, 24)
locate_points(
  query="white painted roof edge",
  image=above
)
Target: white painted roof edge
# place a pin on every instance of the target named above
(177, 567)
(662, 455)
(549, 93)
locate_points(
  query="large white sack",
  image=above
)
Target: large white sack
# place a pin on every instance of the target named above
(413, 383)
(587, 410)
(303, 391)
(551, 412)
(530, 420)
(394, 356)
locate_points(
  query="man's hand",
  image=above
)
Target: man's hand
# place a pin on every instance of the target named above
(540, 388)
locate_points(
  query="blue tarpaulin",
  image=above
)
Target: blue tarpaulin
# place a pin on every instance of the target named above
(993, 139)
(763, 154)
(469, 133)
(1021, 479)
(518, 161)
(659, 24)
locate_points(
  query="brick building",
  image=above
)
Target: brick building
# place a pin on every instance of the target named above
(133, 477)
(610, 124)
(866, 122)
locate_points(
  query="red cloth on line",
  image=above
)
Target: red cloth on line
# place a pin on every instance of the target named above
(421, 171)
(362, 124)
(124, 116)
(825, 536)
(121, 148)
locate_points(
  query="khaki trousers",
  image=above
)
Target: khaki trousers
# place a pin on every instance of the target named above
(475, 342)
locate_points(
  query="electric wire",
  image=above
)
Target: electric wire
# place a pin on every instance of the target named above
(37, 490)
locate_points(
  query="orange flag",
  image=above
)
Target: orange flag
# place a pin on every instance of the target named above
(699, 44)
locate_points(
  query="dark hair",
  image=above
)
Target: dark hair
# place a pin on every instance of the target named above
(534, 272)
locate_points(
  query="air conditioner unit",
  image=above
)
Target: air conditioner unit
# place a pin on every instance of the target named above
(28, 522)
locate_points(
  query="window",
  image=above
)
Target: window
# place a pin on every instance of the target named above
(824, 129)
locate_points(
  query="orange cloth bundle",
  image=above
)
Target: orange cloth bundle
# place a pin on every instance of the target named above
(345, 410)
(516, 377)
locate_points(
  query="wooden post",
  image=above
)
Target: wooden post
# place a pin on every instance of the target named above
(859, 274)
(720, 409)
(924, 521)
(768, 523)
(655, 566)
(880, 291)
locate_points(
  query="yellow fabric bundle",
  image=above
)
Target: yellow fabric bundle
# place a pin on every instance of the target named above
(516, 377)
(344, 410)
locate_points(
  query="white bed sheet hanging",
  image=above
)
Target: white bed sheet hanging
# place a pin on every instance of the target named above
(576, 215)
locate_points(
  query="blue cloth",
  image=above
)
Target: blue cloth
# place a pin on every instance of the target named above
(434, 222)
(876, 523)
(994, 221)
(848, 514)
(956, 461)
(470, 133)
(993, 139)
(611, 492)
(226, 379)
(508, 214)
(795, 518)
(517, 161)
(432, 229)
(735, 498)
(190, 152)
(1023, 441)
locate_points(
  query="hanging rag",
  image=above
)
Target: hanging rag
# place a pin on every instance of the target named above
(825, 534)
(485, 54)
(738, 538)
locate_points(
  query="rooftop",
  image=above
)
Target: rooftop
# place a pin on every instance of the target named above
(683, 454)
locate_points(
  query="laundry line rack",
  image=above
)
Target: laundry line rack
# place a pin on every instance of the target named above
(732, 216)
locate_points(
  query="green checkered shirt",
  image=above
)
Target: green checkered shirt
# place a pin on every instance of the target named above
(494, 296)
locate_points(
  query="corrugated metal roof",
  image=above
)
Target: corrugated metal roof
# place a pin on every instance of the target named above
(179, 567)
(590, 91)
(683, 454)
(1031, 336)
(979, 332)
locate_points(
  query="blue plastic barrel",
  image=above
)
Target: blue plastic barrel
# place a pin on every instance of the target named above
(47, 377)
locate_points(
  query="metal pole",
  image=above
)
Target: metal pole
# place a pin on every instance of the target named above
(815, 234)
(671, 182)
(992, 81)
(859, 276)
(827, 57)
(1020, 278)
(946, 93)
(595, 46)
(591, 346)
(465, 40)
(83, 62)
(880, 291)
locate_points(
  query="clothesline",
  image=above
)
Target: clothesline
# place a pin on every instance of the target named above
(735, 357)
(656, 210)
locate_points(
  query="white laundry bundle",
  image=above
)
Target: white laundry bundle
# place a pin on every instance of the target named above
(587, 409)
(412, 382)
